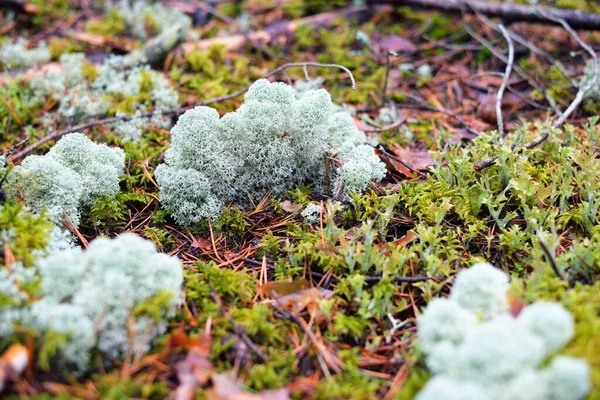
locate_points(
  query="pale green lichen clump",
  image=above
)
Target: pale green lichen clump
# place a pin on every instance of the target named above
(277, 139)
(478, 350)
(91, 296)
(117, 86)
(139, 15)
(70, 177)
(19, 54)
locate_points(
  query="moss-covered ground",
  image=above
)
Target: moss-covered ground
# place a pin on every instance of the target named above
(343, 325)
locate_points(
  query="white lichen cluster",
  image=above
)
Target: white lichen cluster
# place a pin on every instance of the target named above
(12, 298)
(277, 139)
(70, 177)
(116, 82)
(139, 14)
(476, 349)
(312, 213)
(19, 54)
(92, 296)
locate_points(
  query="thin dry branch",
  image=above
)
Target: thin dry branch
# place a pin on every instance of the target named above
(533, 48)
(498, 54)
(174, 111)
(500, 94)
(239, 330)
(508, 11)
(572, 107)
(551, 259)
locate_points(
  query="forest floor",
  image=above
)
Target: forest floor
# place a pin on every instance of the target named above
(349, 288)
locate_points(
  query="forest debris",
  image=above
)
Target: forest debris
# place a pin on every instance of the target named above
(285, 28)
(227, 387)
(156, 49)
(12, 363)
(100, 41)
(396, 43)
(296, 295)
(196, 371)
(508, 11)
(290, 207)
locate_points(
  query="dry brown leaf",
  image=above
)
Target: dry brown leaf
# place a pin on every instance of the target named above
(418, 159)
(283, 288)
(299, 295)
(288, 206)
(406, 239)
(396, 43)
(9, 257)
(227, 387)
(195, 370)
(12, 363)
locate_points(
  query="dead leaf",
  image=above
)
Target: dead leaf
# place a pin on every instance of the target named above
(195, 370)
(9, 257)
(418, 159)
(406, 239)
(516, 306)
(299, 295)
(227, 387)
(396, 43)
(13, 363)
(198, 243)
(283, 288)
(288, 206)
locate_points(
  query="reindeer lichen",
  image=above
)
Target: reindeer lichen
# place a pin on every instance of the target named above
(94, 297)
(276, 140)
(70, 177)
(499, 352)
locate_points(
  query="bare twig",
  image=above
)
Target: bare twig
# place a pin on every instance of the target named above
(313, 64)
(533, 48)
(582, 90)
(427, 107)
(506, 10)
(500, 94)
(284, 28)
(498, 54)
(227, 19)
(572, 107)
(397, 279)
(396, 124)
(174, 111)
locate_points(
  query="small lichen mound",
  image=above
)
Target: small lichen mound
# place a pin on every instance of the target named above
(478, 350)
(312, 213)
(277, 139)
(94, 297)
(117, 87)
(481, 289)
(71, 176)
(19, 54)
(144, 18)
